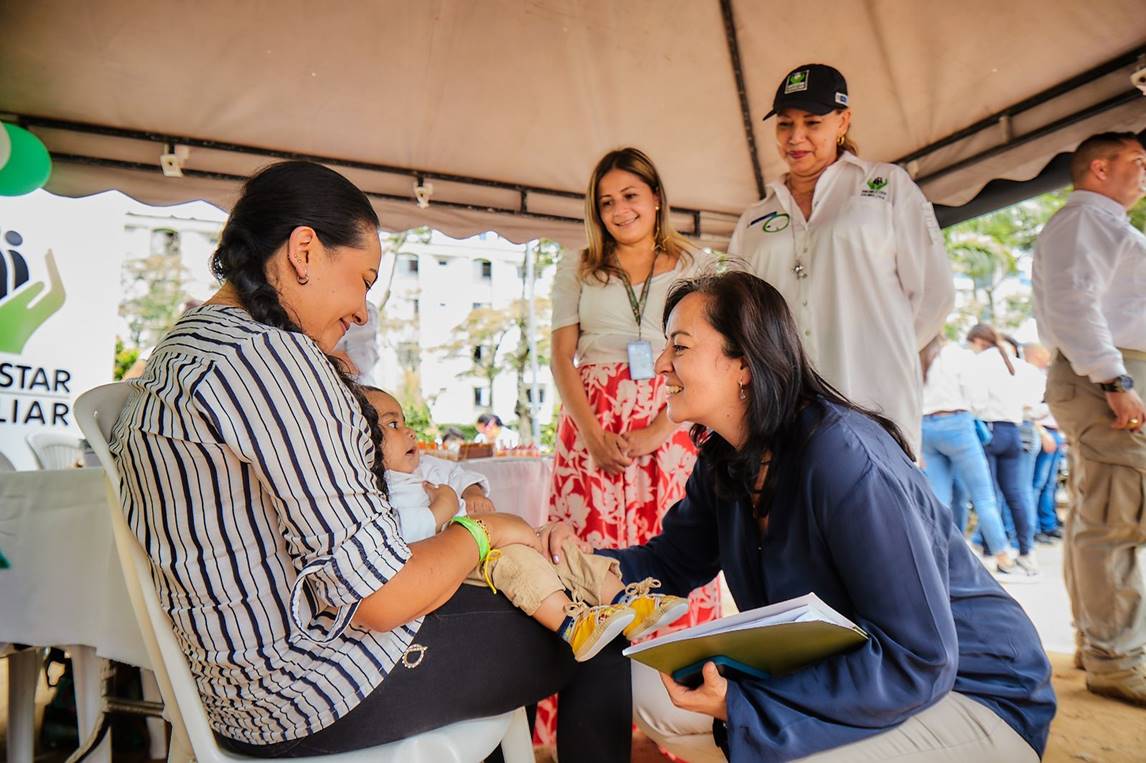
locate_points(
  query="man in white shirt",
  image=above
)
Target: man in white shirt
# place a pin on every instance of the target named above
(1090, 304)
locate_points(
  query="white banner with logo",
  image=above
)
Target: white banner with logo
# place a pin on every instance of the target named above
(60, 262)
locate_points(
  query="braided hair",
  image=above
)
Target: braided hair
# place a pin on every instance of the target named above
(274, 202)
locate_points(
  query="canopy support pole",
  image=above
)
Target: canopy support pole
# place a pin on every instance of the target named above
(745, 111)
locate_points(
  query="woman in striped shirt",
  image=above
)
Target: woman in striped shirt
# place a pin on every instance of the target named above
(250, 476)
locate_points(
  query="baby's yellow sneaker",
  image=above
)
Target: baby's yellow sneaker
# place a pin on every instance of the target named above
(592, 628)
(652, 610)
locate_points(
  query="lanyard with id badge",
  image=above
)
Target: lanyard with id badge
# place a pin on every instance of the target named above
(640, 351)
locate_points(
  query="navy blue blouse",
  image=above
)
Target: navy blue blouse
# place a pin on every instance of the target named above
(855, 522)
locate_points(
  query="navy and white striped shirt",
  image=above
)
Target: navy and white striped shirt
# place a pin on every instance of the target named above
(245, 467)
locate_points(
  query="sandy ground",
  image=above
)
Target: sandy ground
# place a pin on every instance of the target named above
(1087, 727)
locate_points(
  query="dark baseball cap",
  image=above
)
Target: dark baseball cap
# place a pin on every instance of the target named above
(815, 88)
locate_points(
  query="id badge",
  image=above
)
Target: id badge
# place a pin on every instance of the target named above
(640, 360)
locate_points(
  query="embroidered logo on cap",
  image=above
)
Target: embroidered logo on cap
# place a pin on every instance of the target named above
(842, 99)
(797, 82)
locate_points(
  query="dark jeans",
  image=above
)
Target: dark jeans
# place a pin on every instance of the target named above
(1046, 484)
(1009, 468)
(483, 657)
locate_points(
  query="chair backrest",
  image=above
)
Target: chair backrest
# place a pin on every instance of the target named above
(96, 412)
(55, 450)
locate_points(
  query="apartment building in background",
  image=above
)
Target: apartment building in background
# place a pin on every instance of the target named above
(435, 286)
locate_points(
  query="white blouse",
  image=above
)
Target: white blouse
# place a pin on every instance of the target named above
(1008, 398)
(866, 277)
(603, 312)
(953, 382)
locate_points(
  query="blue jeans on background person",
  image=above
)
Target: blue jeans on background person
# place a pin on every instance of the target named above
(1008, 466)
(952, 452)
(1032, 445)
(1045, 484)
(961, 504)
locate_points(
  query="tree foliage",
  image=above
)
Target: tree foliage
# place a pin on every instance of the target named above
(125, 358)
(479, 338)
(153, 288)
(989, 250)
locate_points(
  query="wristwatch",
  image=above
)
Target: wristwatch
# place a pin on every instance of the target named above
(1122, 383)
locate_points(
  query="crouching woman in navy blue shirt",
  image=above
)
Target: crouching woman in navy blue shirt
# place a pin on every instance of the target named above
(797, 490)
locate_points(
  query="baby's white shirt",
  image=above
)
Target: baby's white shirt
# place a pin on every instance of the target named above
(410, 500)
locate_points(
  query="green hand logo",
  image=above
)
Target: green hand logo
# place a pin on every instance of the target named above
(797, 78)
(876, 184)
(19, 318)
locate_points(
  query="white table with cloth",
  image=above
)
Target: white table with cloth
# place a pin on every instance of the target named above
(517, 485)
(64, 587)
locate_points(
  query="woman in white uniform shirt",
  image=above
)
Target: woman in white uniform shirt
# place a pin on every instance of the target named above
(855, 249)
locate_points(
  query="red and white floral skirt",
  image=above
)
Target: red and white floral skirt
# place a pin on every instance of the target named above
(619, 510)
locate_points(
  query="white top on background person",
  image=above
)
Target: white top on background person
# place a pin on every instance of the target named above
(953, 383)
(603, 312)
(855, 249)
(409, 498)
(492, 430)
(1009, 396)
(1089, 280)
(360, 344)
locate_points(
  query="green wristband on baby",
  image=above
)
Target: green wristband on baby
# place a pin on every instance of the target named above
(476, 528)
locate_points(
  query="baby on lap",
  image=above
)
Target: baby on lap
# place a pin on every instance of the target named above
(581, 598)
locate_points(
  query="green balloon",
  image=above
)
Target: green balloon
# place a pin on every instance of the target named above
(28, 166)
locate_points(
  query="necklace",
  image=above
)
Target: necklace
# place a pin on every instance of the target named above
(798, 268)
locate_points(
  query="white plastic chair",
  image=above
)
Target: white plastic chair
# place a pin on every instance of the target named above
(55, 450)
(191, 739)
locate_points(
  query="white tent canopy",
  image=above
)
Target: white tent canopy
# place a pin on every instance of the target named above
(504, 106)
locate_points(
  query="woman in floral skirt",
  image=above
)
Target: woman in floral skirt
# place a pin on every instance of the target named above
(620, 462)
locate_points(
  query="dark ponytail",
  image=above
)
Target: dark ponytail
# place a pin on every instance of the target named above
(985, 332)
(274, 202)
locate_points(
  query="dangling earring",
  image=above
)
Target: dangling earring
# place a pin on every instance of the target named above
(743, 395)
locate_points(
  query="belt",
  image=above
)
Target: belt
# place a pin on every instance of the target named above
(944, 413)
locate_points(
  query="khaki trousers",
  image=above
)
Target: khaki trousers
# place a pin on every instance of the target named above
(956, 729)
(1105, 533)
(527, 578)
